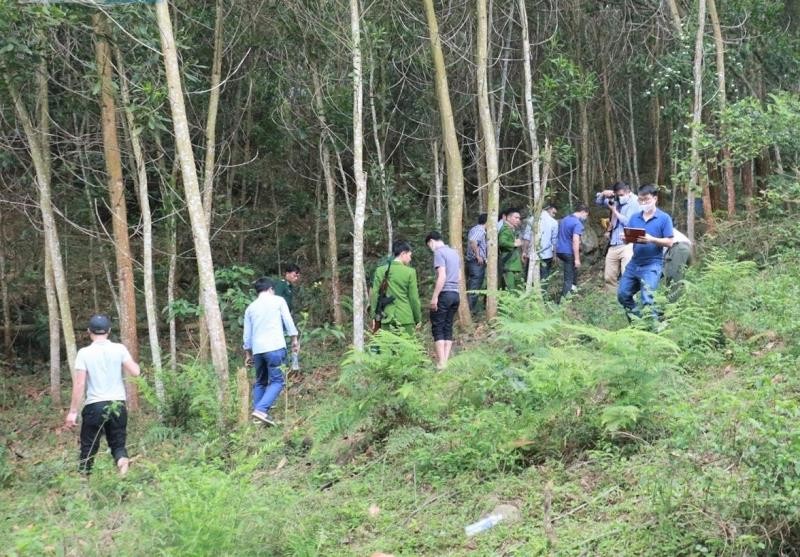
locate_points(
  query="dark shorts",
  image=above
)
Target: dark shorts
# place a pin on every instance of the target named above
(109, 418)
(444, 314)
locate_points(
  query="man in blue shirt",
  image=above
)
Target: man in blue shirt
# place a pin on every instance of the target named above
(476, 259)
(623, 205)
(644, 270)
(265, 322)
(568, 246)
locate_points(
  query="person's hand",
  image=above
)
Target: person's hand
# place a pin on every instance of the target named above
(481, 261)
(71, 420)
(646, 239)
(608, 193)
(577, 263)
(434, 304)
(296, 346)
(517, 242)
(606, 234)
(248, 360)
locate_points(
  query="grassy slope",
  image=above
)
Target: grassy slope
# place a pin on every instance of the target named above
(708, 466)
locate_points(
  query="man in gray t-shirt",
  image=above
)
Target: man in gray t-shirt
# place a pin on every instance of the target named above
(98, 372)
(445, 299)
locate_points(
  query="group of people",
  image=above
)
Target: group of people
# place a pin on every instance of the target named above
(632, 264)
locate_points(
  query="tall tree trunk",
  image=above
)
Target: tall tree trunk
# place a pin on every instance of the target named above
(134, 133)
(7, 343)
(727, 163)
(676, 16)
(330, 193)
(209, 163)
(386, 194)
(455, 171)
(194, 204)
(634, 151)
(39, 146)
(438, 181)
(116, 191)
(748, 187)
(659, 160)
(585, 146)
(53, 328)
(612, 170)
(696, 121)
(533, 280)
(360, 179)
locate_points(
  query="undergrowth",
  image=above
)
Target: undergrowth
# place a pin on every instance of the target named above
(609, 439)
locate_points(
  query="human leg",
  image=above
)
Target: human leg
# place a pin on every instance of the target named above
(627, 255)
(476, 274)
(452, 301)
(545, 268)
(91, 429)
(649, 276)
(568, 261)
(629, 285)
(274, 387)
(262, 377)
(611, 270)
(115, 426)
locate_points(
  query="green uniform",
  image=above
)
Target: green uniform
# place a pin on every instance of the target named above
(285, 290)
(404, 312)
(510, 263)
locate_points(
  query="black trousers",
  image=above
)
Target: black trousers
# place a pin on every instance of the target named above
(442, 318)
(570, 272)
(109, 417)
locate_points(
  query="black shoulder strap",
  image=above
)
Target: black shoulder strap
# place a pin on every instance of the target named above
(385, 282)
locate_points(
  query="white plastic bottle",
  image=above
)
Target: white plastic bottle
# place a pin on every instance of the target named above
(483, 524)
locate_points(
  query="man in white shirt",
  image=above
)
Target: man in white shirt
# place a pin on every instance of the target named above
(548, 236)
(266, 320)
(98, 371)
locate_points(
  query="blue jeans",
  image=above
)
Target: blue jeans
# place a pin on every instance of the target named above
(642, 278)
(269, 378)
(475, 277)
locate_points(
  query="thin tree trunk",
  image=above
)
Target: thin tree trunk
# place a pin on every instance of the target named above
(749, 188)
(727, 163)
(676, 16)
(634, 152)
(205, 264)
(39, 146)
(318, 223)
(151, 310)
(696, 120)
(585, 148)
(455, 171)
(612, 170)
(211, 118)
(533, 280)
(116, 191)
(7, 343)
(386, 194)
(360, 179)
(438, 182)
(53, 328)
(659, 161)
(330, 191)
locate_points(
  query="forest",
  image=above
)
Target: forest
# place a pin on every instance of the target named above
(157, 157)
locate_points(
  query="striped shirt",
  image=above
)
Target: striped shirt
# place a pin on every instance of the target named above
(477, 234)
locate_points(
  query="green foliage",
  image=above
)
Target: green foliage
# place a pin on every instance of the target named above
(191, 398)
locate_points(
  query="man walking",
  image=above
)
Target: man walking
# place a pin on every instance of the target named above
(266, 320)
(476, 259)
(98, 371)
(400, 308)
(568, 246)
(548, 237)
(285, 286)
(644, 270)
(510, 262)
(445, 298)
(623, 205)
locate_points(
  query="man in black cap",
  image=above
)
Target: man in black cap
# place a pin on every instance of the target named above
(98, 372)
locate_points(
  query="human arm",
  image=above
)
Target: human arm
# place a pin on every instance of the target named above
(78, 388)
(441, 276)
(576, 249)
(247, 339)
(602, 198)
(660, 242)
(289, 326)
(131, 367)
(473, 246)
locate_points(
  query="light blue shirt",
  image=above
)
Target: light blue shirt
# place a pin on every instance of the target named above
(266, 320)
(548, 234)
(627, 209)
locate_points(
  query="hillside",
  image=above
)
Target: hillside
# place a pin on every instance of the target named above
(606, 440)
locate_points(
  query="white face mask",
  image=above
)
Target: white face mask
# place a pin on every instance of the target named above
(648, 207)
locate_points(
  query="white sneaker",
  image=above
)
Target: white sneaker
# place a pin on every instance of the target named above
(263, 417)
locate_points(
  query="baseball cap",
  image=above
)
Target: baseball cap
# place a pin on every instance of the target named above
(99, 323)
